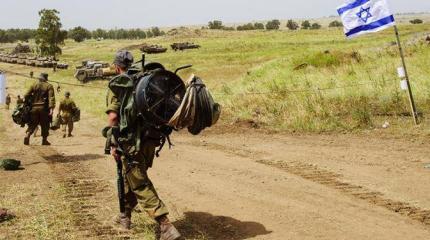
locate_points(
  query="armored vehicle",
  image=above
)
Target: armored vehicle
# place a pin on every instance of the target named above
(153, 49)
(184, 46)
(93, 70)
(21, 59)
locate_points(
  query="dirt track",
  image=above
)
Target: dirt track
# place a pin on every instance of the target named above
(252, 185)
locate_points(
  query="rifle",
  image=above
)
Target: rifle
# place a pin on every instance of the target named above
(119, 167)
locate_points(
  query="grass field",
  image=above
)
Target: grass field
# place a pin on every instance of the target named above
(341, 84)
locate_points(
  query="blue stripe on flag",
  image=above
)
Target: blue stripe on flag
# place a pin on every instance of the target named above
(351, 6)
(371, 26)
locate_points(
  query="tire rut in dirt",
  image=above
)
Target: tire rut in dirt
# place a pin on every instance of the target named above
(81, 191)
(330, 179)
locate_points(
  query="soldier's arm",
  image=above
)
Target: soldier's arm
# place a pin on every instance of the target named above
(51, 96)
(61, 107)
(113, 110)
(29, 92)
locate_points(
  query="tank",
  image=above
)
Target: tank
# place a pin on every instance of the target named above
(184, 46)
(93, 70)
(21, 59)
(153, 49)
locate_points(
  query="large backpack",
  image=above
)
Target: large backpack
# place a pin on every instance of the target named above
(147, 102)
(21, 115)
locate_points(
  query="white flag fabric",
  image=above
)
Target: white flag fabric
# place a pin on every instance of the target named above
(2, 88)
(365, 16)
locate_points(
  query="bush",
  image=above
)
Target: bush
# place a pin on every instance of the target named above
(306, 24)
(246, 27)
(292, 25)
(315, 26)
(335, 24)
(228, 28)
(79, 34)
(216, 24)
(259, 26)
(417, 21)
(273, 25)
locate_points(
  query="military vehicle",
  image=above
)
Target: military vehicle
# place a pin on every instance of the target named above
(31, 60)
(62, 65)
(153, 49)
(20, 48)
(93, 70)
(184, 46)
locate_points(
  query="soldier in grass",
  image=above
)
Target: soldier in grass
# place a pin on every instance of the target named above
(138, 187)
(67, 107)
(42, 97)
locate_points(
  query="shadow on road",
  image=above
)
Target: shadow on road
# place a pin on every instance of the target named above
(73, 158)
(196, 225)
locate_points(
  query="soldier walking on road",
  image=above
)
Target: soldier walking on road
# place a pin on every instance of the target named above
(19, 100)
(41, 96)
(138, 187)
(8, 100)
(67, 107)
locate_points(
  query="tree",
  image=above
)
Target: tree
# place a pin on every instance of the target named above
(49, 36)
(292, 25)
(306, 24)
(417, 21)
(79, 34)
(335, 24)
(273, 25)
(156, 31)
(259, 26)
(216, 24)
(315, 26)
(246, 27)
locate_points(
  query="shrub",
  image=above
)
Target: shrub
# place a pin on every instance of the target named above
(273, 25)
(246, 27)
(306, 24)
(315, 26)
(335, 24)
(417, 21)
(216, 24)
(292, 25)
(259, 26)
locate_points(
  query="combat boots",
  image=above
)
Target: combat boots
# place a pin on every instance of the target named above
(124, 219)
(45, 142)
(167, 230)
(27, 139)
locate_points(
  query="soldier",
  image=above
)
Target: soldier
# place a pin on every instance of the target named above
(42, 97)
(19, 100)
(67, 107)
(31, 74)
(8, 100)
(138, 187)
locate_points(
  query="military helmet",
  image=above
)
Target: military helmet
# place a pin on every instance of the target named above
(123, 59)
(10, 164)
(43, 77)
(67, 94)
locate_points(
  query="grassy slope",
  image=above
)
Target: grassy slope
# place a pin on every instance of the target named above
(235, 63)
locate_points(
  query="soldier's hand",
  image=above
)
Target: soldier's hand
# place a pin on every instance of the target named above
(112, 119)
(114, 153)
(51, 112)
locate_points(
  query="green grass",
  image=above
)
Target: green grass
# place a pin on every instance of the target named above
(342, 85)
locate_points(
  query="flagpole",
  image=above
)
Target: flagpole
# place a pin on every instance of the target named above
(411, 96)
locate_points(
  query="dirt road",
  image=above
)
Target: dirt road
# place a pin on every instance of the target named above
(251, 186)
(244, 185)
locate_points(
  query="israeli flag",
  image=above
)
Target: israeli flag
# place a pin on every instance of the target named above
(365, 16)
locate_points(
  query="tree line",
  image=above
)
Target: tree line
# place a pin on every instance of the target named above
(79, 34)
(271, 25)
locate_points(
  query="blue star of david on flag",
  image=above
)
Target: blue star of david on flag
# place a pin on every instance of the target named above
(365, 16)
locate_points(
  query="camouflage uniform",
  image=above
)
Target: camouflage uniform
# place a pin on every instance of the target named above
(42, 96)
(138, 186)
(67, 106)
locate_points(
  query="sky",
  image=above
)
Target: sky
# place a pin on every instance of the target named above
(108, 14)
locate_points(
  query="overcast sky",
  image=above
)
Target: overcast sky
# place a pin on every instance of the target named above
(94, 14)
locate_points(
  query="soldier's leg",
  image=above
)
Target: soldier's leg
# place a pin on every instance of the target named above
(64, 125)
(145, 192)
(34, 122)
(70, 126)
(44, 125)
